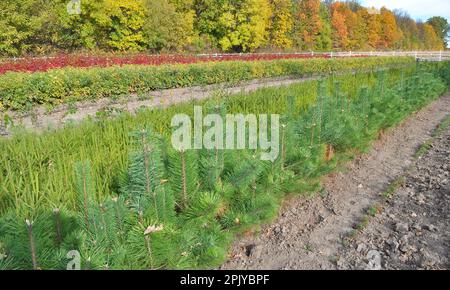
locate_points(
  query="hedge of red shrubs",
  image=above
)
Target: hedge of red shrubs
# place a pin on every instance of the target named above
(80, 61)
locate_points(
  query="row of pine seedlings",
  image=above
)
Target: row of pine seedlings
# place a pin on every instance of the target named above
(178, 210)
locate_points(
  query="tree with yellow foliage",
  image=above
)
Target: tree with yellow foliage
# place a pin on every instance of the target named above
(105, 24)
(389, 29)
(374, 30)
(281, 23)
(361, 33)
(168, 26)
(245, 24)
(429, 38)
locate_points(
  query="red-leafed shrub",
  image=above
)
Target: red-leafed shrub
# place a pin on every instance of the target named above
(80, 61)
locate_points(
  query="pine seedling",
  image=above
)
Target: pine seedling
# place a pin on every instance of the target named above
(182, 175)
(144, 190)
(29, 244)
(154, 246)
(207, 205)
(321, 98)
(289, 148)
(100, 234)
(145, 172)
(85, 194)
(121, 215)
(211, 163)
(58, 226)
(32, 244)
(365, 106)
(246, 172)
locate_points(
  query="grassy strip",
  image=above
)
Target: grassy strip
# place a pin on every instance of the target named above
(23, 91)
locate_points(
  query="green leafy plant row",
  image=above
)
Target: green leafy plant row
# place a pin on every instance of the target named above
(23, 91)
(178, 210)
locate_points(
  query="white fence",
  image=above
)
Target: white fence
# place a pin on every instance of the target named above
(421, 55)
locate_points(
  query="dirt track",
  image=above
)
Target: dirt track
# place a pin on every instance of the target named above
(311, 233)
(40, 119)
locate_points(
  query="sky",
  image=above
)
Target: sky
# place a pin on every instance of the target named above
(417, 9)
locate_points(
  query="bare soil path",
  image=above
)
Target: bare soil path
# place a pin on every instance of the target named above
(310, 232)
(413, 232)
(41, 118)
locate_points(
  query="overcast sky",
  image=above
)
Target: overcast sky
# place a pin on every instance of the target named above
(418, 9)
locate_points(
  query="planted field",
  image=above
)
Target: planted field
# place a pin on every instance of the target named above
(23, 91)
(130, 201)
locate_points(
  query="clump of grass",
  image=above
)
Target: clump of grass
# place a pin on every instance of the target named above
(397, 183)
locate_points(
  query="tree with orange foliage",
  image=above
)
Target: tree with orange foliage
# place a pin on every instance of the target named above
(361, 33)
(389, 29)
(309, 24)
(340, 32)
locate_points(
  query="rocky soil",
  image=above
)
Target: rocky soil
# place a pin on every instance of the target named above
(411, 232)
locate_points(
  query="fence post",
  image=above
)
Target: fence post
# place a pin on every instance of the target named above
(331, 54)
(440, 55)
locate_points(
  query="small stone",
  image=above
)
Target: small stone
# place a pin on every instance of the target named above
(393, 244)
(430, 228)
(417, 227)
(421, 198)
(403, 258)
(361, 247)
(401, 227)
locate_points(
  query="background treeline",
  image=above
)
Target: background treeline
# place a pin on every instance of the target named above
(45, 26)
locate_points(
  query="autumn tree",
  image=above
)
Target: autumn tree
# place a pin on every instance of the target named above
(361, 30)
(168, 25)
(324, 41)
(441, 27)
(410, 39)
(429, 38)
(374, 30)
(245, 25)
(234, 25)
(25, 26)
(389, 29)
(308, 24)
(281, 23)
(351, 21)
(105, 24)
(340, 32)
